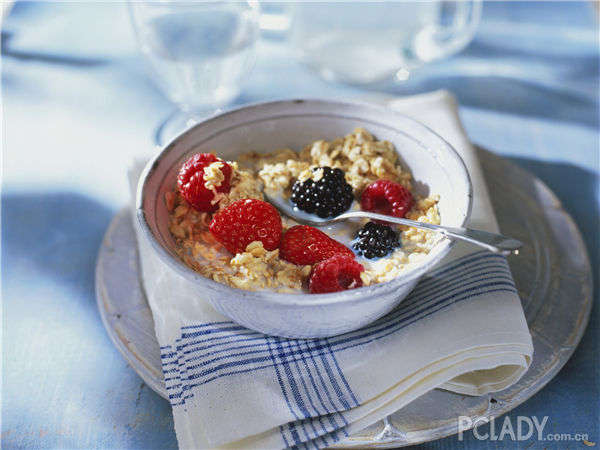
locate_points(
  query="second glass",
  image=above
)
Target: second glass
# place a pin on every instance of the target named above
(367, 42)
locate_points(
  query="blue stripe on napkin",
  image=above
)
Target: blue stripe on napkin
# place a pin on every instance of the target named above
(311, 380)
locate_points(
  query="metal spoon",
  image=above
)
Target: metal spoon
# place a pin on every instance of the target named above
(493, 242)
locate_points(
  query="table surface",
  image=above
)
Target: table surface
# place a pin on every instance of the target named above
(78, 105)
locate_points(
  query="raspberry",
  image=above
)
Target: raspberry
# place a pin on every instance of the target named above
(328, 197)
(304, 245)
(338, 273)
(246, 221)
(375, 240)
(190, 181)
(387, 197)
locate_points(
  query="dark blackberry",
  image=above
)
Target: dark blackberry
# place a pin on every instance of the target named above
(328, 197)
(375, 240)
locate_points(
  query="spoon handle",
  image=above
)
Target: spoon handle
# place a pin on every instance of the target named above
(493, 242)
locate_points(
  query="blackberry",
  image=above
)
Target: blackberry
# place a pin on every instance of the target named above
(328, 197)
(375, 240)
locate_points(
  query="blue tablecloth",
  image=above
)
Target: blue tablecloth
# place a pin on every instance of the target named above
(77, 105)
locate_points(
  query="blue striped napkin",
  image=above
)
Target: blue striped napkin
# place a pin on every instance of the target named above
(461, 329)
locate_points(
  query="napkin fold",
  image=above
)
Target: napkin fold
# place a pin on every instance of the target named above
(461, 329)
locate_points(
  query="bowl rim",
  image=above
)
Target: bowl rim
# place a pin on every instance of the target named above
(284, 298)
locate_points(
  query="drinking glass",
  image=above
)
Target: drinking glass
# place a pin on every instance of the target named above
(362, 42)
(199, 53)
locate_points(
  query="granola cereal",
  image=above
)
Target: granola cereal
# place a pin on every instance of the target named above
(363, 159)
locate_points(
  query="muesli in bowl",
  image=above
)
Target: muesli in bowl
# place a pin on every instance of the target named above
(225, 230)
(435, 168)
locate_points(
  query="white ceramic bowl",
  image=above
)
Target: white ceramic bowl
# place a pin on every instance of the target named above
(435, 166)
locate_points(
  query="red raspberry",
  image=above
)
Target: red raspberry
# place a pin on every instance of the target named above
(338, 273)
(246, 221)
(387, 197)
(190, 181)
(305, 245)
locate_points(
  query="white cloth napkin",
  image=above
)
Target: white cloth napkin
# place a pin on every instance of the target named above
(461, 329)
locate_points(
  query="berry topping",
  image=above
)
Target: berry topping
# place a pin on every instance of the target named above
(191, 181)
(326, 193)
(304, 245)
(246, 221)
(387, 197)
(375, 240)
(338, 273)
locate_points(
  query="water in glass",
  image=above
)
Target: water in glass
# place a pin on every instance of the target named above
(199, 53)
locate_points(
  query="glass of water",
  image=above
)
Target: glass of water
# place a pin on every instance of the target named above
(361, 42)
(199, 52)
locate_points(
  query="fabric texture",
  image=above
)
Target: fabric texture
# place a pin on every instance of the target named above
(461, 329)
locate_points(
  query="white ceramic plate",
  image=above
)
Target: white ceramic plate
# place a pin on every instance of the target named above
(557, 314)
